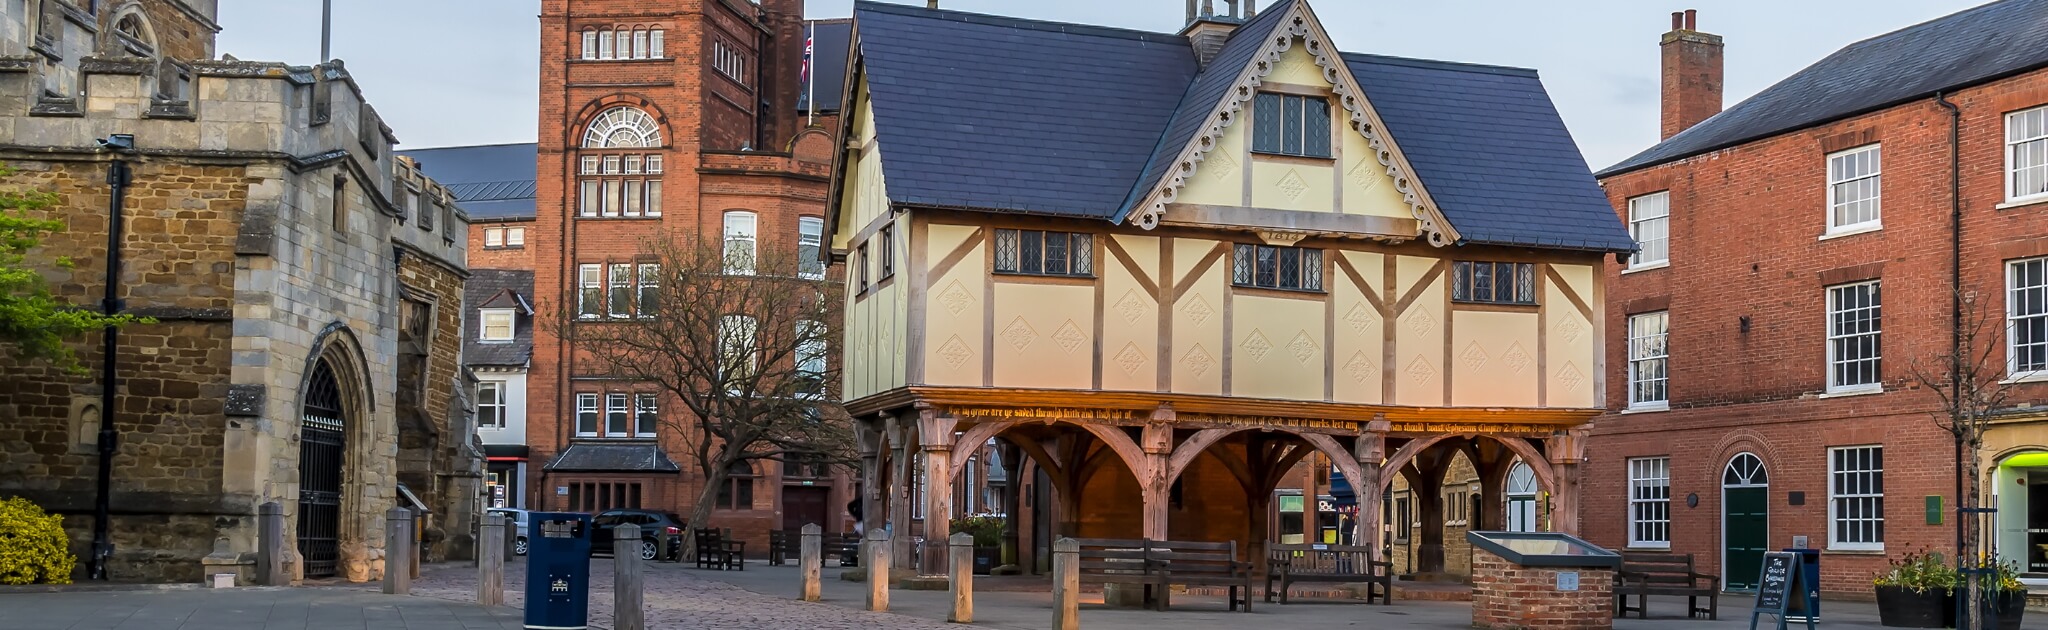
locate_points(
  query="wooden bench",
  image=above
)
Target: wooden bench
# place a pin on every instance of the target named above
(1203, 564)
(1344, 564)
(715, 551)
(781, 545)
(846, 546)
(1646, 574)
(1120, 561)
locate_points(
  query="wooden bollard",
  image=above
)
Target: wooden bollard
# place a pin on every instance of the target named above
(877, 550)
(627, 613)
(490, 562)
(398, 551)
(811, 557)
(961, 552)
(1066, 585)
(270, 545)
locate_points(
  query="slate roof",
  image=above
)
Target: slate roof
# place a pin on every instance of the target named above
(491, 288)
(1021, 116)
(833, 39)
(494, 182)
(629, 457)
(1973, 46)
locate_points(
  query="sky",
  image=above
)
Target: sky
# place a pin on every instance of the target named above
(462, 72)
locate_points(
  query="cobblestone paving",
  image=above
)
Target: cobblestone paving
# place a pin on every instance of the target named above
(675, 599)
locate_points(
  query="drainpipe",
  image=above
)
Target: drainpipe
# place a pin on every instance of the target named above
(1955, 385)
(118, 179)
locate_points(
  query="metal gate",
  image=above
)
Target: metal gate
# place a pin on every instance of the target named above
(322, 446)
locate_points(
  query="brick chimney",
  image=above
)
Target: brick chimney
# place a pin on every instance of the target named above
(1207, 30)
(1692, 73)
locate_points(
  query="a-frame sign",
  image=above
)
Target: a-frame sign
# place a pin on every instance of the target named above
(1781, 591)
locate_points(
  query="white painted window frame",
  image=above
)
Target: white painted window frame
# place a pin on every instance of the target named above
(1655, 250)
(1836, 498)
(1642, 353)
(1876, 177)
(1645, 474)
(1834, 308)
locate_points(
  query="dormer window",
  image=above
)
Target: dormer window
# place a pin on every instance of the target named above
(1286, 124)
(497, 324)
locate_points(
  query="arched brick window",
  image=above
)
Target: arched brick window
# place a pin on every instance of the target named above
(616, 183)
(622, 128)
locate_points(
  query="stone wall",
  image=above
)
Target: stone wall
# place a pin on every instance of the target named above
(1507, 596)
(443, 468)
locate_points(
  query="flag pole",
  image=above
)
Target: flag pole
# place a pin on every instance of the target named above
(326, 30)
(811, 73)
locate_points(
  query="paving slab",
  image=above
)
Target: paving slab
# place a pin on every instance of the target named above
(353, 608)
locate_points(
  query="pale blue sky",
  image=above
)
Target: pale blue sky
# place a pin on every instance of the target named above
(454, 72)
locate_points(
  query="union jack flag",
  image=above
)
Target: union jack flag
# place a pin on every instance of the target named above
(808, 41)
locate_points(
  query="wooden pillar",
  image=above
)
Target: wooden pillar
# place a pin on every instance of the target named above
(490, 561)
(901, 491)
(1154, 473)
(871, 437)
(1013, 503)
(1370, 451)
(398, 551)
(935, 437)
(1428, 489)
(960, 577)
(627, 612)
(811, 560)
(1565, 450)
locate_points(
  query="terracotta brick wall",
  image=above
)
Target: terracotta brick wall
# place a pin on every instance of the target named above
(1745, 294)
(502, 257)
(1509, 596)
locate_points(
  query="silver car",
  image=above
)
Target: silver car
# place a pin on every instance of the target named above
(518, 519)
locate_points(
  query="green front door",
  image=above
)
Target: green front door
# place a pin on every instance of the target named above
(1745, 534)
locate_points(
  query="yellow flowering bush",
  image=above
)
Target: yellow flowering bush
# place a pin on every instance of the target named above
(33, 547)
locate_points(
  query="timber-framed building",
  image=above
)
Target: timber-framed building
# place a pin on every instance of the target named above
(1168, 268)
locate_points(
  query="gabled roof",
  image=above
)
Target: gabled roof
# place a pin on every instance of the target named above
(1973, 46)
(494, 182)
(1009, 115)
(497, 288)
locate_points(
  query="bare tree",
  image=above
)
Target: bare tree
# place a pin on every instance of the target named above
(1970, 382)
(742, 340)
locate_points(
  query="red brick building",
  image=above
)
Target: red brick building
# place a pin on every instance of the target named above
(1799, 252)
(667, 119)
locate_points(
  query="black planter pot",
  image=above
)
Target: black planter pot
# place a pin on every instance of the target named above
(2009, 607)
(1900, 607)
(985, 559)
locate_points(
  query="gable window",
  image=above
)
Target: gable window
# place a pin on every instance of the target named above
(729, 61)
(1855, 318)
(2026, 317)
(1649, 221)
(1649, 502)
(497, 324)
(810, 239)
(1648, 360)
(490, 405)
(740, 243)
(1040, 253)
(1493, 282)
(2026, 154)
(586, 415)
(1856, 498)
(1285, 124)
(1853, 178)
(1269, 267)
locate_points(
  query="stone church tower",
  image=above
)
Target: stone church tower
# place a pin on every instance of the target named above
(667, 119)
(306, 286)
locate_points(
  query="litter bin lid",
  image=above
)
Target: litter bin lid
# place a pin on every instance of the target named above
(1544, 549)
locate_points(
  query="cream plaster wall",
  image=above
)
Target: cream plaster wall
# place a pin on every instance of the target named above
(1198, 318)
(863, 194)
(1279, 347)
(954, 308)
(1045, 335)
(1293, 184)
(1219, 179)
(1493, 361)
(1572, 340)
(1368, 189)
(1360, 343)
(1130, 326)
(1419, 334)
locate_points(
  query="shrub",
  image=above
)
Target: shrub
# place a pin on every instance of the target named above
(987, 530)
(33, 547)
(1920, 572)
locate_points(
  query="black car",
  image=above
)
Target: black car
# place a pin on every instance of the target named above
(653, 525)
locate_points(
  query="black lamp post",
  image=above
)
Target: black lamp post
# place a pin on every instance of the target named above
(117, 178)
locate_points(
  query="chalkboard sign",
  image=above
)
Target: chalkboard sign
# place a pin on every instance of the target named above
(1780, 589)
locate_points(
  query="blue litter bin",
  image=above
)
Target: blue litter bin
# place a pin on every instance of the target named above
(1807, 604)
(558, 571)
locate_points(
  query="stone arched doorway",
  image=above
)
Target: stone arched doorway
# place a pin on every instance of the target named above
(323, 456)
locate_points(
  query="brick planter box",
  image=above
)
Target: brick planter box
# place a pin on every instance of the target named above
(1508, 596)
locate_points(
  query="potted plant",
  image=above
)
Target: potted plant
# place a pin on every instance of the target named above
(2006, 596)
(1918, 591)
(988, 540)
